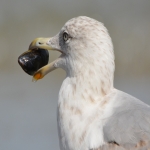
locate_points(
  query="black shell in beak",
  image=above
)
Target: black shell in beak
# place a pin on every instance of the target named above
(33, 60)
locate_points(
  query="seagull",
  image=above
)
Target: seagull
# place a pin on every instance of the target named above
(92, 114)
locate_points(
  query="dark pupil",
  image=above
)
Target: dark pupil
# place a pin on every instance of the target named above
(65, 36)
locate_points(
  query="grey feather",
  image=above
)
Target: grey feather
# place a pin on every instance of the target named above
(129, 124)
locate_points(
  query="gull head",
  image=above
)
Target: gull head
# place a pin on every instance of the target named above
(85, 47)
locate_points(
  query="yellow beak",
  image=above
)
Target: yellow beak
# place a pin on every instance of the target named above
(43, 43)
(40, 43)
(43, 71)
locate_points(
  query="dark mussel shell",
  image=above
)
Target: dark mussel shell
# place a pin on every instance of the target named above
(33, 60)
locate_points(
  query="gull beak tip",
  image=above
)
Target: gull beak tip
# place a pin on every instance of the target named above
(37, 76)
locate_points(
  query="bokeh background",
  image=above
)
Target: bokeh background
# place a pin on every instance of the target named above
(27, 109)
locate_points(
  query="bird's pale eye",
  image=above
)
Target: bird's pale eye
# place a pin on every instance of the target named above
(65, 36)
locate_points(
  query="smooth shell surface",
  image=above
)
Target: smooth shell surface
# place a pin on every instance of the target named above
(32, 60)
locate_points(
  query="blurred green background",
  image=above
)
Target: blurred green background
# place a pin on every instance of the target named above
(27, 109)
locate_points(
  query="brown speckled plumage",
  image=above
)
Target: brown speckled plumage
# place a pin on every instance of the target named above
(92, 114)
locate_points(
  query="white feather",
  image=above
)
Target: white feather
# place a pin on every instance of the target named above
(92, 114)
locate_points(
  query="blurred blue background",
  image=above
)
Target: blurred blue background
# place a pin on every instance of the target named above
(27, 109)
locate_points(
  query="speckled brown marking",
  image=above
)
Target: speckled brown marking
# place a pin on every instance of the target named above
(102, 88)
(75, 110)
(103, 31)
(83, 96)
(91, 99)
(97, 90)
(92, 63)
(93, 88)
(103, 92)
(141, 144)
(86, 91)
(91, 73)
(82, 137)
(95, 45)
(81, 22)
(65, 106)
(81, 55)
(104, 102)
(74, 88)
(78, 111)
(90, 85)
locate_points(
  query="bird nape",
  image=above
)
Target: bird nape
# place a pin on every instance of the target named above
(92, 114)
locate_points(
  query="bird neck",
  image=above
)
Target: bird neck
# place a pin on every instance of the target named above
(90, 74)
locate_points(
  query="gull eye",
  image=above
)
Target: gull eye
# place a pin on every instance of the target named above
(65, 36)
